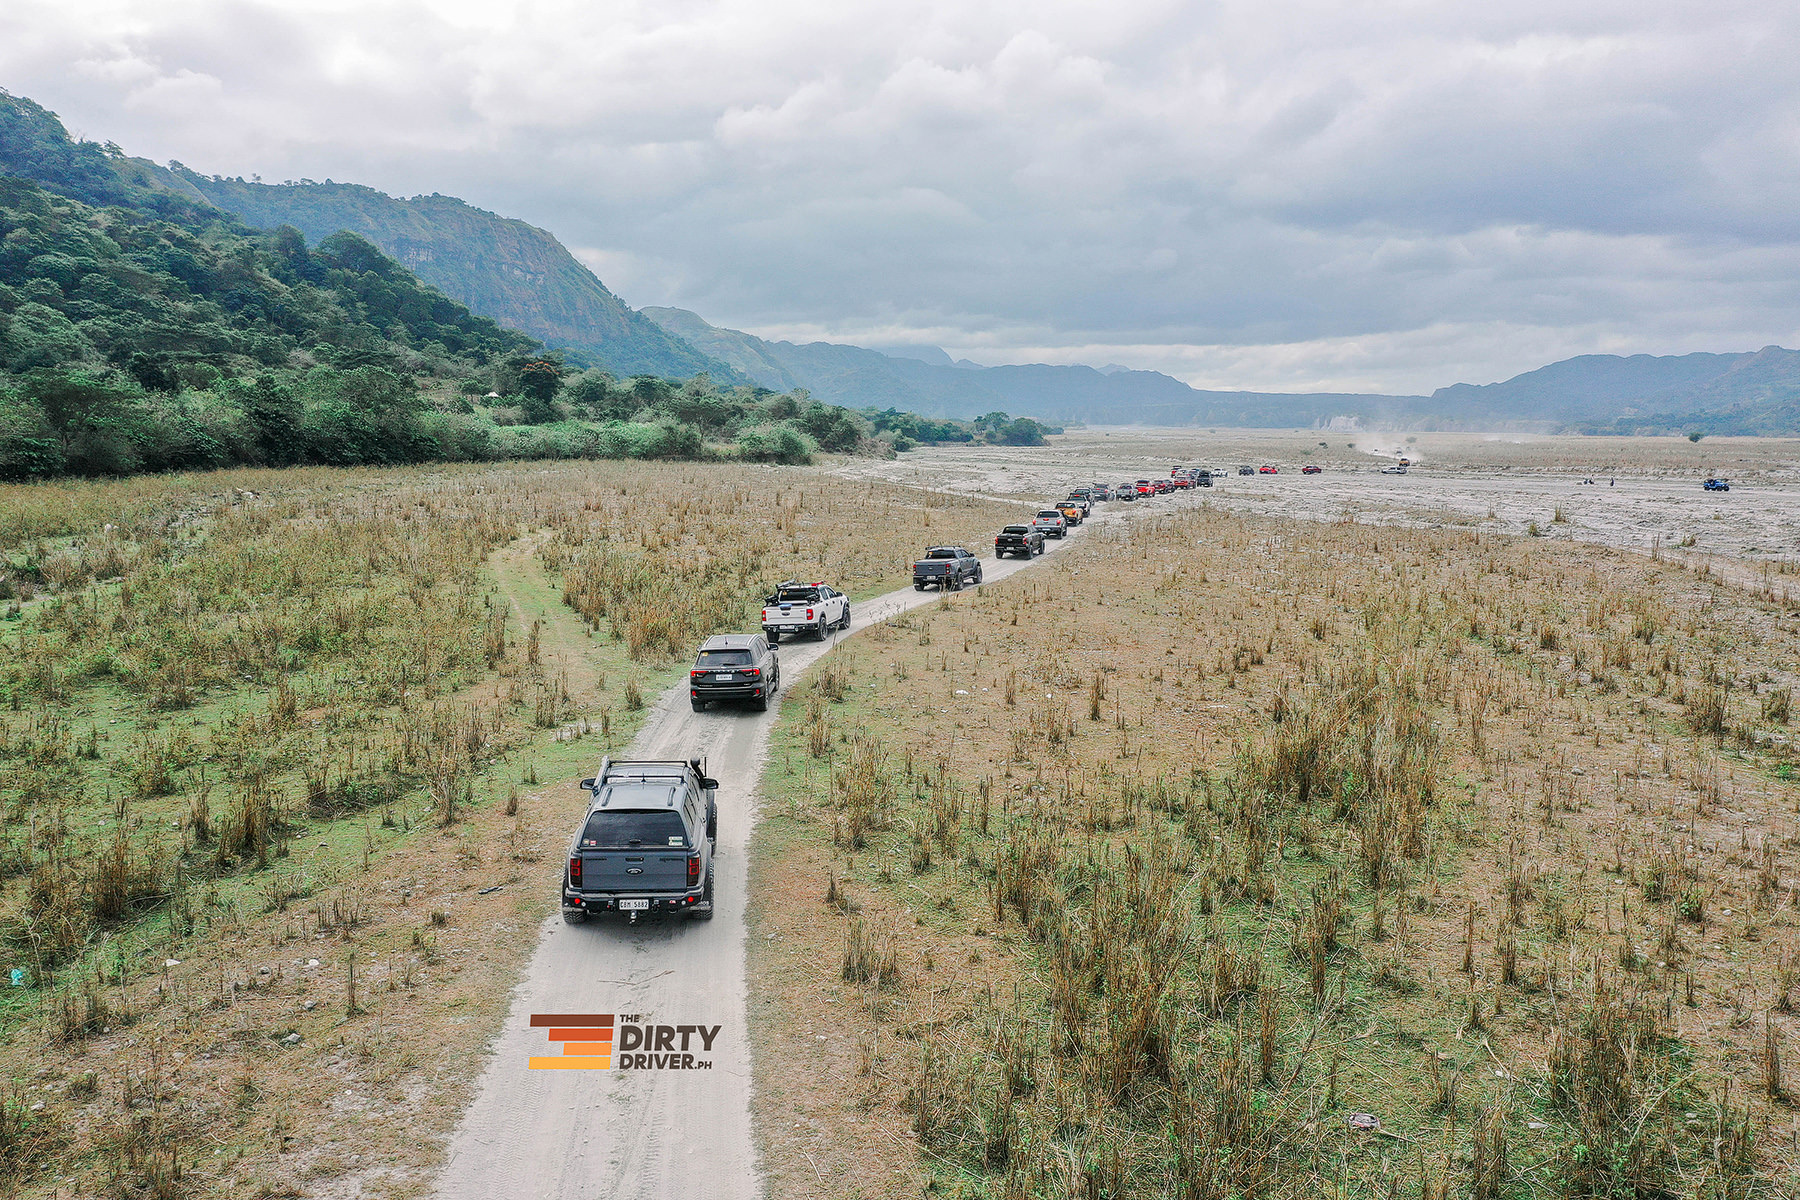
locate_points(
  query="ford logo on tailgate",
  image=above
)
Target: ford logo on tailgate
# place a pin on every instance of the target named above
(634, 870)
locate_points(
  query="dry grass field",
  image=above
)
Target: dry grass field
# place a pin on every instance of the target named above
(272, 848)
(1231, 856)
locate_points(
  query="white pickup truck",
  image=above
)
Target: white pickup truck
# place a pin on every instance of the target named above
(804, 608)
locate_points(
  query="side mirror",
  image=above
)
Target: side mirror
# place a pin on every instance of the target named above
(588, 784)
(709, 784)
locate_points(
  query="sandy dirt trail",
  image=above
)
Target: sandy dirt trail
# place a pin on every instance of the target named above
(646, 1135)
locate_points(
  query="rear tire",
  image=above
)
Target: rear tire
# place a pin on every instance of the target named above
(846, 621)
(774, 639)
(705, 914)
(699, 706)
(917, 586)
(977, 576)
(574, 916)
(761, 703)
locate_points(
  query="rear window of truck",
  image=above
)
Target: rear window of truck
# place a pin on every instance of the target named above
(633, 830)
(723, 658)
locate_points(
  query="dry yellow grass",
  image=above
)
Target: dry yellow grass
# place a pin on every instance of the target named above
(257, 719)
(1212, 833)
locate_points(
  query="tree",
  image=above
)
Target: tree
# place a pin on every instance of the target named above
(39, 336)
(274, 413)
(29, 447)
(1022, 432)
(96, 417)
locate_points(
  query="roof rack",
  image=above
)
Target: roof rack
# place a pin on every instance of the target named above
(645, 769)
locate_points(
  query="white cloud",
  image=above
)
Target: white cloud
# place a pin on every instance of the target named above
(1244, 194)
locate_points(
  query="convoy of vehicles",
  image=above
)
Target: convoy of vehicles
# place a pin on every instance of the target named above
(646, 840)
(1021, 540)
(951, 568)
(735, 666)
(645, 844)
(804, 608)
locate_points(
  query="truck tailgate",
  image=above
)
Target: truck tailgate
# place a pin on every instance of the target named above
(650, 870)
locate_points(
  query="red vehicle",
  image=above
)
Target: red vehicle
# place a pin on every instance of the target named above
(1311, 469)
(1145, 488)
(1266, 469)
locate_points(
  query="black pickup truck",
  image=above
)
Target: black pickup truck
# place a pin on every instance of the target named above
(949, 567)
(1022, 540)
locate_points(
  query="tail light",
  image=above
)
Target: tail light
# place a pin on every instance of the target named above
(693, 870)
(575, 871)
(696, 674)
(809, 614)
(751, 672)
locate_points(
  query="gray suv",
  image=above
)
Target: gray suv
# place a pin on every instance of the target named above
(735, 666)
(645, 846)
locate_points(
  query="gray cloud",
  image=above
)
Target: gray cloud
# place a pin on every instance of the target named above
(1302, 195)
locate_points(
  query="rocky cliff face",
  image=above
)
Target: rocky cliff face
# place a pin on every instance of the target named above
(516, 273)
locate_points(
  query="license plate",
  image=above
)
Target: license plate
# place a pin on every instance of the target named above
(634, 906)
(727, 678)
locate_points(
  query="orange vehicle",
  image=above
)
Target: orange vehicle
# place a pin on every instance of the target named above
(1071, 512)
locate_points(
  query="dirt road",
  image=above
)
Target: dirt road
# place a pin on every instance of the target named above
(646, 1134)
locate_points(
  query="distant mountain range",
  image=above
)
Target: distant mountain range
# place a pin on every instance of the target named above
(522, 277)
(854, 376)
(1712, 393)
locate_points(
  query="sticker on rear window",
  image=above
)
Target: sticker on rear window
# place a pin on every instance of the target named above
(674, 841)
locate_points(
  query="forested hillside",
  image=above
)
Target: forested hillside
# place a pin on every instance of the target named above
(141, 329)
(516, 273)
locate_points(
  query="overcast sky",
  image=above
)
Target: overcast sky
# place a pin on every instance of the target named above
(1290, 196)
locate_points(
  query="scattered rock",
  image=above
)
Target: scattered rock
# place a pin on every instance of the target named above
(309, 1005)
(1367, 1121)
(292, 1039)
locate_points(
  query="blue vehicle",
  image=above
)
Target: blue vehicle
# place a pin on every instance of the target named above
(1717, 485)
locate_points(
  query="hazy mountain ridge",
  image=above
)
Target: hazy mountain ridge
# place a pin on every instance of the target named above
(859, 377)
(520, 275)
(1716, 393)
